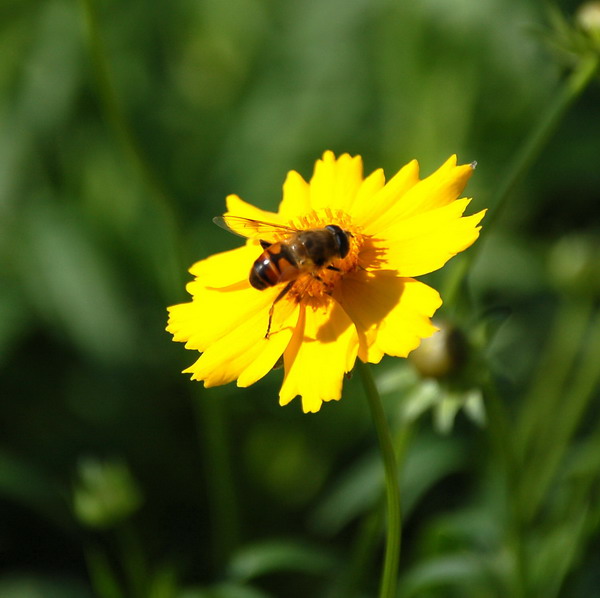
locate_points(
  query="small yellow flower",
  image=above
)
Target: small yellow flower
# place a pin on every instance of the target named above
(365, 304)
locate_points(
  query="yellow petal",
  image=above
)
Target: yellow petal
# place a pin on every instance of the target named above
(214, 313)
(285, 319)
(363, 207)
(368, 351)
(335, 182)
(243, 209)
(435, 191)
(322, 349)
(367, 303)
(424, 243)
(244, 352)
(377, 302)
(409, 321)
(370, 210)
(296, 197)
(226, 268)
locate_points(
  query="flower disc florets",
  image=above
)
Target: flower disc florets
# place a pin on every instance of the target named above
(316, 288)
(364, 304)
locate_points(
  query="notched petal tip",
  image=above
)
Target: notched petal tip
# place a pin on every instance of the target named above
(311, 406)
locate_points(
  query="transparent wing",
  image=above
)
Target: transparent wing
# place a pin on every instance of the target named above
(246, 227)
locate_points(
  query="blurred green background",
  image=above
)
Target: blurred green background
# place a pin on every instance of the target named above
(123, 126)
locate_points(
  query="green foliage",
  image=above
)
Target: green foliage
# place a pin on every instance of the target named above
(123, 126)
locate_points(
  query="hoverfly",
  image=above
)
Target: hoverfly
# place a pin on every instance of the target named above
(296, 252)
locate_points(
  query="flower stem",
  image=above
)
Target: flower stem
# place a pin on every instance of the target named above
(524, 157)
(394, 517)
(540, 134)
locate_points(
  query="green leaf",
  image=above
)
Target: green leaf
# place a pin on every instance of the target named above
(463, 571)
(279, 555)
(354, 492)
(36, 586)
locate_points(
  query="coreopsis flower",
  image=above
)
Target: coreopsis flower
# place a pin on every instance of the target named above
(364, 302)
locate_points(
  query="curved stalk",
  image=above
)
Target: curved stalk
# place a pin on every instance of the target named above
(389, 579)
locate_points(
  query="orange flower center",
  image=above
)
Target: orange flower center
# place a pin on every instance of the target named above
(314, 287)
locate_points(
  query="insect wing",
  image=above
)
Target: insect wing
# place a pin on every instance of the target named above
(246, 227)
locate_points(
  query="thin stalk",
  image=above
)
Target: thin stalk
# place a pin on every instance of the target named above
(573, 87)
(104, 582)
(368, 534)
(389, 579)
(133, 561)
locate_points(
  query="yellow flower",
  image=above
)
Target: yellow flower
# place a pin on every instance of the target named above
(364, 304)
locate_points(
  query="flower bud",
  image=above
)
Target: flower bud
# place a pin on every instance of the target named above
(588, 19)
(442, 354)
(104, 494)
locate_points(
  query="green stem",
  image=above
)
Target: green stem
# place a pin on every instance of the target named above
(573, 87)
(368, 536)
(389, 578)
(104, 582)
(532, 146)
(133, 560)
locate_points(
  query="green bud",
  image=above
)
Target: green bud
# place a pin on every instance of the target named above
(587, 18)
(105, 493)
(442, 354)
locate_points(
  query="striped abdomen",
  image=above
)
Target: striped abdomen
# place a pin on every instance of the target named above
(276, 264)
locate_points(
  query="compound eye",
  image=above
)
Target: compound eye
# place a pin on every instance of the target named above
(341, 238)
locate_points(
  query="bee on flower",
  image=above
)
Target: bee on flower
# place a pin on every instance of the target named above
(327, 278)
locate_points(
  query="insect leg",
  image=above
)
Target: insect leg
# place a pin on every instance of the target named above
(281, 295)
(265, 244)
